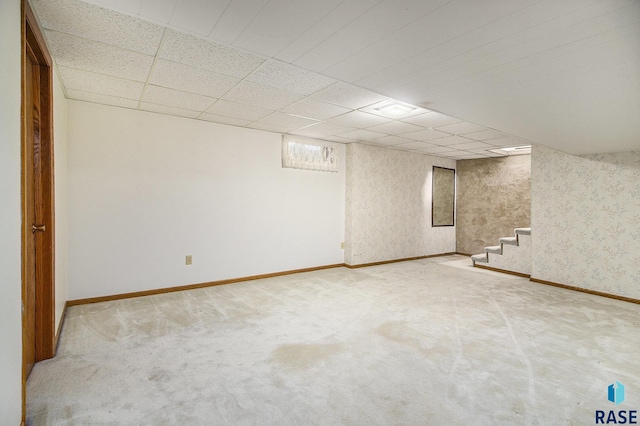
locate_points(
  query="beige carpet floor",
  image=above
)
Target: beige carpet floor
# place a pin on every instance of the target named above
(431, 342)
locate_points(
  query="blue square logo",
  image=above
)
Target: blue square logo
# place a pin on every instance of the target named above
(616, 392)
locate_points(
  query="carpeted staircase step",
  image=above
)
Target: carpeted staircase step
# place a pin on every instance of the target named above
(480, 258)
(522, 231)
(513, 241)
(493, 249)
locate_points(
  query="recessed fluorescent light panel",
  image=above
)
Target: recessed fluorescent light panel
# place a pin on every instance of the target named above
(516, 150)
(396, 109)
(393, 109)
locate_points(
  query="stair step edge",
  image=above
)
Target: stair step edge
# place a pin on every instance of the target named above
(509, 240)
(480, 258)
(522, 231)
(493, 249)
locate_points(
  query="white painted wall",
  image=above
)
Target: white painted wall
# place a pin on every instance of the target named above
(388, 206)
(145, 190)
(585, 212)
(10, 240)
(61, 183)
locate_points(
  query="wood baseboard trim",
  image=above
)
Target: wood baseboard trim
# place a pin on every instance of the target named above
(56, 340)
(195, 286)
(504, 271)
(463, 254)
(585, 290)
(406, 259)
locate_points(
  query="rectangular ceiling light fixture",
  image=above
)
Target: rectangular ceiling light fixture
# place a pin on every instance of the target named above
(396, 109)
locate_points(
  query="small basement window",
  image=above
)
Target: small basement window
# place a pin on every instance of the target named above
(309, 154)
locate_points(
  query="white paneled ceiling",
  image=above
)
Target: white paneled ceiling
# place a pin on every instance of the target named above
(482, 74)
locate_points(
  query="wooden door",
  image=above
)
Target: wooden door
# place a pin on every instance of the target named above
(30, 160)
(38, 272)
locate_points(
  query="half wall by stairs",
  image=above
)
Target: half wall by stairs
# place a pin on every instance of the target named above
(512, 255)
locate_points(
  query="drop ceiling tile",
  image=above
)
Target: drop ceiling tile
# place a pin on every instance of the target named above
(333, 21)
(470, 156)
(97, 98)
(285, 122)
(281, 22)
(471, 145)
(436, 149)
(509, 141)
(426, 134)
(266, 97)
(124, 6)
(76, 52)
(239, 111)
(362, 135)
(158, 11)
(483, 151)
(175, 98)
(339, 139)
(223, 120)
(395, 128)
(95, 23)
(197, 16)
(485, 135)
(315, 109)
(100, 84)
(235, 19)
(358, 119)
(461, 128)
(324, 129)
(288, 77)
(189, 79)
(451, 140)
(349, 96)
(431, 119)
(391, 140)
(452, 154)
(197, 52)
(413, 146)
(162, 109)
(266, 127)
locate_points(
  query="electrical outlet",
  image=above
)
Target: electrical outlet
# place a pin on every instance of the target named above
(342, 245)
(189, 260)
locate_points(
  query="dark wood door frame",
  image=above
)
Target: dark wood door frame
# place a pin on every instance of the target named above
(38, 182)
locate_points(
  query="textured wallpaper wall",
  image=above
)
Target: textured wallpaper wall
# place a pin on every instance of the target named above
(388, 206)
(586, 220)
(493, 199)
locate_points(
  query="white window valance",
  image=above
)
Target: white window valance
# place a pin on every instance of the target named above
(309, 154)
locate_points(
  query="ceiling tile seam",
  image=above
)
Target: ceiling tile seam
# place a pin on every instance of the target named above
(202, 69)
(576, 70)
(173, 12)
(153, 67)
(101, 103)
(391, 33)
(99, 94)
(422, 52)
(98, 73)
(97, 41)
(419, 74)
(242, 80)
(59, 77)
(513, 64)
(250, 22)
(326, 38)
(219, 18)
